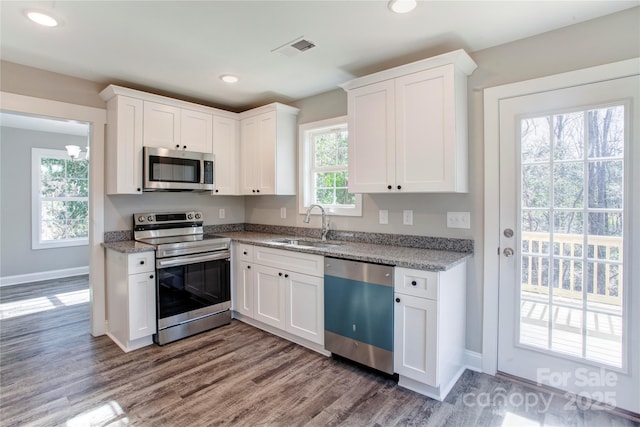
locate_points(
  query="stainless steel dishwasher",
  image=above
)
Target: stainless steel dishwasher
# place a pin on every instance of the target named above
(358, 312)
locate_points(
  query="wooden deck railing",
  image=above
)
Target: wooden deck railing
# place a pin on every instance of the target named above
(603, 278)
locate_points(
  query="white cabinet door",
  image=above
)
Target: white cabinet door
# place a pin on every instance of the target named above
(249, 155)
(416, 338)
(258, 154)
(305, 306)
(124, 145)
(425, 130)
(243, 302)
(269, 296)
(225, 150)
(266, 176)
(142, 308)
(161, 126)
(372, 138)
(196, 131)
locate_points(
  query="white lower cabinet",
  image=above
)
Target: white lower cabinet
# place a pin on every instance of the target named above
(282, 291)
(429, 329)
(131, 298)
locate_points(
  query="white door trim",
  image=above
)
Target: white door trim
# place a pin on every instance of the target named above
(98, 119)
(492, 98)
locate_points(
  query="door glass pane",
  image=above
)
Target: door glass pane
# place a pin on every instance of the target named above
(572, 175)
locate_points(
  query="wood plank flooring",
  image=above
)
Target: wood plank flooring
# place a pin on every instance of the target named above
(53, 372)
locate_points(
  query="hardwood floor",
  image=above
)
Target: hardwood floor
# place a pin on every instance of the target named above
(53, 372)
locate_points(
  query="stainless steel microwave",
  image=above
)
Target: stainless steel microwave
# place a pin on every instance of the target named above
(176, 170)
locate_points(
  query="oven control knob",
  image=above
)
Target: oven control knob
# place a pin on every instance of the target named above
(140, 219)
(190, 216)
(198, 216)
(150, 218)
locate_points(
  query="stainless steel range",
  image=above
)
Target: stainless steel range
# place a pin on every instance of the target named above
(193, 285)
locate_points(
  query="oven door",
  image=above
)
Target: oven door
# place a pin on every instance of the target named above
(190, 287)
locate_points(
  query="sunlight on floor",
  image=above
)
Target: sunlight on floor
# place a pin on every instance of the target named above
(39, 304)
(109, 413)
(513, 420)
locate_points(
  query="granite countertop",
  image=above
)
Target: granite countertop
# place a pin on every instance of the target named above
(128, 246)
(421, 259)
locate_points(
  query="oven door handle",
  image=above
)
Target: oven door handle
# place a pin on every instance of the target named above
(191, 259)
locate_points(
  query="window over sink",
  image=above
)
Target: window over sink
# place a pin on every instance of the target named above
(324, 171)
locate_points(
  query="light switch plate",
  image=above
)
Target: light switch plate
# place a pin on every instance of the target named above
(283, 213)
(221, 213)
(407, 217)
(458, 219)
(383, 216)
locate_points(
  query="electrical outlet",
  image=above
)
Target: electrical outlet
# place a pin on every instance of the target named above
(383, 216)
(221, 213)
(458, 219)
(283, 213)
(407, 217)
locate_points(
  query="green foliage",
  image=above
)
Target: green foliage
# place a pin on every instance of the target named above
(330, 177)
(64, 187)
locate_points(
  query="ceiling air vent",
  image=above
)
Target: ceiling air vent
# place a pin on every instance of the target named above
(294, 47)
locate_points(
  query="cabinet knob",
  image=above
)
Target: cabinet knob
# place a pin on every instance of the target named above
(138, 189)
(216, 190)
(151, 277)
(388, 187)
(248, 267)
(397, 299)
(253, 191)
(399, 187)
(244, 252)
(414, 283)
(184, 147)
(279, 274)
(286, 275)
(142, 262)
(257, 191)
(177, 145)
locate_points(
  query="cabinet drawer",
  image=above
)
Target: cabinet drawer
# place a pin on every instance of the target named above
(423, 284)
(291, 261)
(141, 262)
(244, 252)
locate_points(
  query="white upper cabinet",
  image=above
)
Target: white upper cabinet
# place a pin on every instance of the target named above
(167, 126)
(267, 150)
(408, 127)
(124, 146)
(226, 149)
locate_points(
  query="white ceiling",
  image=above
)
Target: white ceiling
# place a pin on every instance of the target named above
(43, 124)
(182, 47)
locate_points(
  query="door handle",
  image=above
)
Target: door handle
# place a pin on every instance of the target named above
(508, 252)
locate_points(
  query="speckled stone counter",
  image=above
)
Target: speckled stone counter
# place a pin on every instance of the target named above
(422, 259)
(128, 246)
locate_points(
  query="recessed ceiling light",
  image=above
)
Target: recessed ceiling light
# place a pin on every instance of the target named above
(229, 78)
(402, 6)
(41, 17)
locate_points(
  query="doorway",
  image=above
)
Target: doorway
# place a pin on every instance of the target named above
(567, 287)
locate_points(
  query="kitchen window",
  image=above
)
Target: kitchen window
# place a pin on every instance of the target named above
(324, 168)
(60, 199)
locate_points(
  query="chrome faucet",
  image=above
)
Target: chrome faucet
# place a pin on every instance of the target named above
(325, 224)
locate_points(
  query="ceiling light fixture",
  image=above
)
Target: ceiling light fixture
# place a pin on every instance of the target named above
(402, 6)
(229, 78)
(41, 17)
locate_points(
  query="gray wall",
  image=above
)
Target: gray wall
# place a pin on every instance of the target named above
(600, 41)
(17, 257)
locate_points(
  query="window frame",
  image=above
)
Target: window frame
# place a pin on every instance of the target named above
(37, 154)
(305, 180)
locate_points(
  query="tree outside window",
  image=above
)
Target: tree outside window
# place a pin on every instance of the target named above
(60, 199)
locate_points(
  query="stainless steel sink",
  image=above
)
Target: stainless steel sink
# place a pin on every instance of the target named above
(302, 242)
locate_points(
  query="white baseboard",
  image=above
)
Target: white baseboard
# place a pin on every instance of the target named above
(473, 360)
(43, 275)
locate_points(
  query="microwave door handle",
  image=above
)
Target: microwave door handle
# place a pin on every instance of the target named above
(201, 171)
